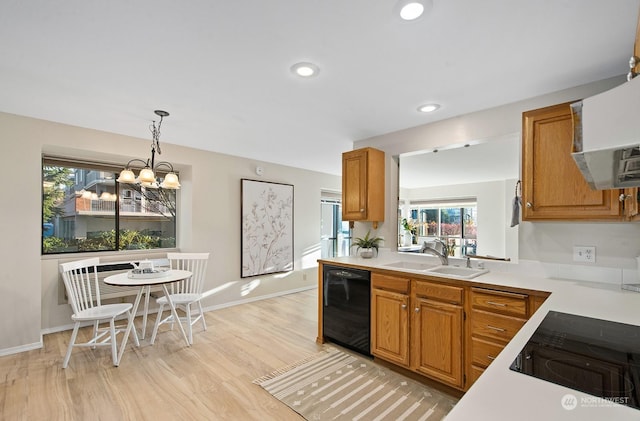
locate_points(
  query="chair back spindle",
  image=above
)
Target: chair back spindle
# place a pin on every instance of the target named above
(78, 278)
(195, 263)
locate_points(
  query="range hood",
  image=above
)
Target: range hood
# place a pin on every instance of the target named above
(606, 137)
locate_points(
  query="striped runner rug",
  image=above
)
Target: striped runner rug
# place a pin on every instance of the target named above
(337, 385)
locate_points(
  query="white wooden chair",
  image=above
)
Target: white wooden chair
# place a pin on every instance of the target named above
(185, 294)
(83, 293)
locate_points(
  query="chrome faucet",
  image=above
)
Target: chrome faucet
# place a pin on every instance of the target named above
(437, 247)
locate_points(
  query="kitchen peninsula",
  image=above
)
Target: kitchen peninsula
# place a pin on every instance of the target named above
(499, 392)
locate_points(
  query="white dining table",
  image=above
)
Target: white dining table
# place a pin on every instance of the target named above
(123, 280)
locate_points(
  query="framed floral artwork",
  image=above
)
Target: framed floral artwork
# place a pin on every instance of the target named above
(267, 227)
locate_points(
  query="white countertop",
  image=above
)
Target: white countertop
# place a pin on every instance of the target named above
(502, 394)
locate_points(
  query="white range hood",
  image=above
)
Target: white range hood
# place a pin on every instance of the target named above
(606, 144)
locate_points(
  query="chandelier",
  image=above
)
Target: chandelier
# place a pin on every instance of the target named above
(147, 176)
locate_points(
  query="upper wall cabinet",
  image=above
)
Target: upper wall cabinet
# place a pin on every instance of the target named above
(553, 188)
(363, 185)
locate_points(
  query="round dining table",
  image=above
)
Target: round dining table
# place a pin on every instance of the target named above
(163, 279)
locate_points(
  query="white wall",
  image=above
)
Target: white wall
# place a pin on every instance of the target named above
(208, 220)
(616, 243)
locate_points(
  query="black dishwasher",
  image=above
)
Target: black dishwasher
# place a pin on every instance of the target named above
(346, 314)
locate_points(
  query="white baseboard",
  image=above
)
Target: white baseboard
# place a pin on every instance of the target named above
(22, 348)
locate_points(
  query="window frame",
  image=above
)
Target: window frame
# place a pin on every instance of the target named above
(93, 165)
(439, 205)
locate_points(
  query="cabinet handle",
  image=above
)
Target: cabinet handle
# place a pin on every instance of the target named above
(491, 358)
(417, 310)
(529, 205)
(361, 210)
(404, 306)
(493, 303)
(497, 329)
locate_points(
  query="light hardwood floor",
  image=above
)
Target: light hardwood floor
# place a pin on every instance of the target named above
(212, 380)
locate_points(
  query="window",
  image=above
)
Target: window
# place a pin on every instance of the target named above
(335, 237)
(454, 222)
(84, 209)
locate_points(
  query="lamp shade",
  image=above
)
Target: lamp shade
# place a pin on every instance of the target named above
(146, 175)
(170, 181)
(126, 176)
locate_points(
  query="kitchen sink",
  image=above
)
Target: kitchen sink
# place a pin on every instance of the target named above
(411, 265)
(457, 271)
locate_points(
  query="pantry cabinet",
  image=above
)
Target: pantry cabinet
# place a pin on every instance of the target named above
(363, 183)
(553, 188)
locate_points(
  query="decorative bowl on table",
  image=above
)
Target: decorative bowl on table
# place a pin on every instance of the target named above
(147, 273)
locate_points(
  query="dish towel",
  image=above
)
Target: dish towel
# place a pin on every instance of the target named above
(517, 202)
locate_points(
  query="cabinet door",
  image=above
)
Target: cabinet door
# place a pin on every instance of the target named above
(436, 340)
(354, 185)
(390, 326)
(553, 187)
(630, 198)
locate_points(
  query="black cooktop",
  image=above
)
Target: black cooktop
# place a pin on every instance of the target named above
(598, 357)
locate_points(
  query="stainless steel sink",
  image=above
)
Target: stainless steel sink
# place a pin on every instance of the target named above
(411, 265)
(457, 271)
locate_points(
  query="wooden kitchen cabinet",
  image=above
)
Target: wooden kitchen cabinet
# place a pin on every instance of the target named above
(437, 332)
(390, 318)
(630, 202)
(447, 330)
(363, 185)
(495, 317)
(552, 186)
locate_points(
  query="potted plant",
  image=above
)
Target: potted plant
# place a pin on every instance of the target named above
(408, 236)
(367, 245)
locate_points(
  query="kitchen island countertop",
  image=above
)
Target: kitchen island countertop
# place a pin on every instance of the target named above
(502, 394)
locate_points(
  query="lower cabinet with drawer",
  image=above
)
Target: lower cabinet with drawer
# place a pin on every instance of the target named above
(419, 325)
(390, 318)
(446, 330)
(437, 323)
(495, 318)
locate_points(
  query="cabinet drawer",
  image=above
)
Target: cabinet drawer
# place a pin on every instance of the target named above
(476, 372)
(447, 293)
(500, 302)
(390, 283)
(484, 352)
(494, 325)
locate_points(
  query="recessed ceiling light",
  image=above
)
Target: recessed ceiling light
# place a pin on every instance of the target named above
(428, 108)
(412, 10)
(305, 69)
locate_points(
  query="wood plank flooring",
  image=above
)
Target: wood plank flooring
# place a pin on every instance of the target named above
(212, 380)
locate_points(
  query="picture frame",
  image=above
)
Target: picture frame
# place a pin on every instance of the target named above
(266, 227)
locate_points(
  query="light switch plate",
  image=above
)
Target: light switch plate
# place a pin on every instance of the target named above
(584, 254)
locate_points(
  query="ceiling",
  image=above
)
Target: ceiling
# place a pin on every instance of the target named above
(221, 68)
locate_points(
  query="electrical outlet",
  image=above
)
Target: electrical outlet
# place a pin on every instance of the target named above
(584, 254)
